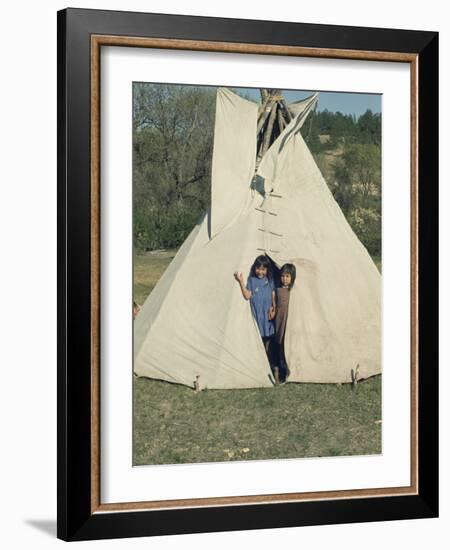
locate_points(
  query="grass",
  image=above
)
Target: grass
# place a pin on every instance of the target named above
(148, 269)
(173, 424)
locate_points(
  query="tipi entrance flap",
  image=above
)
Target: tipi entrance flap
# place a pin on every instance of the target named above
(234, 158)
(309, 335)
(204, 327)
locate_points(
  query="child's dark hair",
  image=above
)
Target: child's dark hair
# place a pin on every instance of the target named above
(262, 261)
(289, 268)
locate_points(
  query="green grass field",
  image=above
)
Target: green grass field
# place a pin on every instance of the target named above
(148, 269)
(173, 424)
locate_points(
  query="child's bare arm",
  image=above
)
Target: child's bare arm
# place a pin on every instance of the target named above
(245, 292)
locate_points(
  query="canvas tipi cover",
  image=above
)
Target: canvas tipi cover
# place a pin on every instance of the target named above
(195, 326)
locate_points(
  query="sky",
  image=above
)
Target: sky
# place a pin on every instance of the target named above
(345, 102)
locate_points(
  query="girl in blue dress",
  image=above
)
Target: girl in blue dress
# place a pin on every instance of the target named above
(260, 290)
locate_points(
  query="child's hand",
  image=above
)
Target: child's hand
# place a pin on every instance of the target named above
(238, 276)
(271, 313)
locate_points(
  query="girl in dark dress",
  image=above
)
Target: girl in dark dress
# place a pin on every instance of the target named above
(287, 278)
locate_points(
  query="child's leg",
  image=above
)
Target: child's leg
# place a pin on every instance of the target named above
(269, 345)
(273, 359)
(284, 369)
(266, 340)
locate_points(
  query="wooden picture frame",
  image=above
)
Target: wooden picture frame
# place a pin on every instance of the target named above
(81, 35)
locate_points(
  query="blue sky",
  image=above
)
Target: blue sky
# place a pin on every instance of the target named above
(345, 102)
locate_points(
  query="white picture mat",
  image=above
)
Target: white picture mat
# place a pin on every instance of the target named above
(120, 481)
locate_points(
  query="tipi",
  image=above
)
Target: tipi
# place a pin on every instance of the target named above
(196, 329)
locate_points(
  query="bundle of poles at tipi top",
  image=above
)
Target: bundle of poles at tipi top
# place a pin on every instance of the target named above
(274, 114)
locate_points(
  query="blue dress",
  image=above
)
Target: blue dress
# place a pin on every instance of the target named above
(261, 302)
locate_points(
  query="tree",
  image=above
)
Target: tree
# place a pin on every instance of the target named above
(357, 189)
(172, 149)
(363, 162)
(369, 128)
